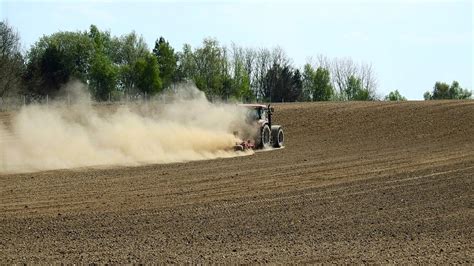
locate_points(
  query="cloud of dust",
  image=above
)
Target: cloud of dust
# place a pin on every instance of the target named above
(80, 133)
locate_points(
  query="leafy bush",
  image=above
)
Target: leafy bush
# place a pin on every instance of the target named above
(395, 96)
(442, 91)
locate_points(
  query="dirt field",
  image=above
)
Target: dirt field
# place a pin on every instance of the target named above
(357, 182)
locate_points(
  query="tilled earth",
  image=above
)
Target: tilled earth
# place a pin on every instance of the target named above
(357, 182)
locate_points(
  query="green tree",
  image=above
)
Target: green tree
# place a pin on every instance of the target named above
(316, 84)
(322, 89)
(148, 75)
(103, 77)
(107, 64)
(282, 84)
(103, 74)
(128, 48)
(355, 91)
(295, 91)
(102, 41)
(240, 85)
(353, 88)
(456, 92)
(58, 58)
(186, 64)
(125, 52)
(308, 78)
(272, 83)
(442, 91)
(239, 73)
(395, 96)
(166, 61)
(210, 68)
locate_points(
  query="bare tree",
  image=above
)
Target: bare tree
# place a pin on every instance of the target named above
(249, 61)
(342, 69)
(367, 76)
(279, 57)
(237, 59)
(263, 63)
(11, 60)
(323, 61)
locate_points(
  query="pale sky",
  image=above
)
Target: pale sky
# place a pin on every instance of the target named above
(410, 44)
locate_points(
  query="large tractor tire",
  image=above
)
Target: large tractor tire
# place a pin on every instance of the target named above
(264, 139)
(278, 137)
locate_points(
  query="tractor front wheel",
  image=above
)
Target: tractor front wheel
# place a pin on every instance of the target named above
(265, 138)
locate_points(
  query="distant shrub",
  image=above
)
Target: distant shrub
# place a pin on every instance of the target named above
(442, 91)
(395, 96)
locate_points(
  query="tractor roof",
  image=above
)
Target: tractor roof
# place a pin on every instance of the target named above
(253, 105)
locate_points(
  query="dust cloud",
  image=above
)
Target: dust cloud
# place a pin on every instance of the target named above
(183, 126)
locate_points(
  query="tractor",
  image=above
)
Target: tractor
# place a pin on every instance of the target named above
(266, 134)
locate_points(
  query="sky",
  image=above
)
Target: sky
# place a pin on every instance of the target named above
(410, 44)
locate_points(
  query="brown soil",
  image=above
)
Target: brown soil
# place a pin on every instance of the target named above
(357, 182)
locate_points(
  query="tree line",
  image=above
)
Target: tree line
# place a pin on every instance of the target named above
(114, 66)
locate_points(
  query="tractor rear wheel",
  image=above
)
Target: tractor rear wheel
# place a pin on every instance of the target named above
(278, 137)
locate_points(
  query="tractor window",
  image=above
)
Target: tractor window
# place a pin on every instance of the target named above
(253, 114)
(264, 114)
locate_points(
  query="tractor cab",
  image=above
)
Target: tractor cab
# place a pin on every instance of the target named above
(258, 113)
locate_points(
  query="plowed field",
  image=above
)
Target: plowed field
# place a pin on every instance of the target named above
(357, 182)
